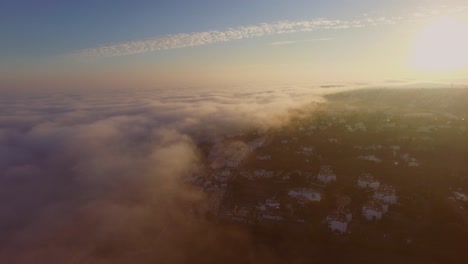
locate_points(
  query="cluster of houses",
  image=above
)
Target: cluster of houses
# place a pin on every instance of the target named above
(270, 210)
(339, 219)
(405, 158)
(226, 157)
(383, 196)
(374, 209)
(273, 209)
(460, 196)
(267, 211)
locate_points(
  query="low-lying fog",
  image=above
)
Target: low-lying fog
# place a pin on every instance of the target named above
(99, 177)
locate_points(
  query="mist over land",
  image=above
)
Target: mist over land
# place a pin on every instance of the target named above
(112, 178)
(104, 172)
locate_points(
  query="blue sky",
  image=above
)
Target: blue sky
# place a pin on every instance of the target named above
(37, 32)
(49, 27)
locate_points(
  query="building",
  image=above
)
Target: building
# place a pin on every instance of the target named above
(326, 175)
(372, 158)
(338, 221)
(269, 211)
(374, 210)
(306, 195)
(386, 193)
(367, 180)
(270, 203)
(460, 196)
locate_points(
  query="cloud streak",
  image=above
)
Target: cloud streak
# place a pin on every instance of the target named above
(184, 40)
(280, 43)
(214, 36)
(289, 42)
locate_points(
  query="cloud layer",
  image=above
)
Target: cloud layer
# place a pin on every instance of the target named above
(100, 178)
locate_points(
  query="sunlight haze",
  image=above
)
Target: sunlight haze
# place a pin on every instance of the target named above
(306, 43)
(233, 131)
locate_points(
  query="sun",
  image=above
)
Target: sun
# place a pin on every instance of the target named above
(442, 46)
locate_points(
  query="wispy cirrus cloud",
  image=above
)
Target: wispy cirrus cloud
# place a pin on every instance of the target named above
(289, 42)
(320, 39)
(184, 40)
(440, 10)
(281, 43)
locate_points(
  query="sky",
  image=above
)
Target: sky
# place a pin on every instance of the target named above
(147, 44)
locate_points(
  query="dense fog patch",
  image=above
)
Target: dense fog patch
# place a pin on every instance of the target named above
(100, 178)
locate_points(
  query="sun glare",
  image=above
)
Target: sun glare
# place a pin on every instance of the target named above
(442, 46)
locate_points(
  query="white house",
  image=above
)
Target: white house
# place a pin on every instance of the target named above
(269, 204)
(270, 210)
(339, 220)
(460, 196)
(372, 158)
(305, 194)
(326, 175)
(307, 150)
(337, 224)
(386, 193)
(367, 180)
(374, 210)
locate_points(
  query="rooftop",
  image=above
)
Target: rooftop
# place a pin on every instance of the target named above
(326, 170)
(339, 215)
(374, 205)
(386, 189)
